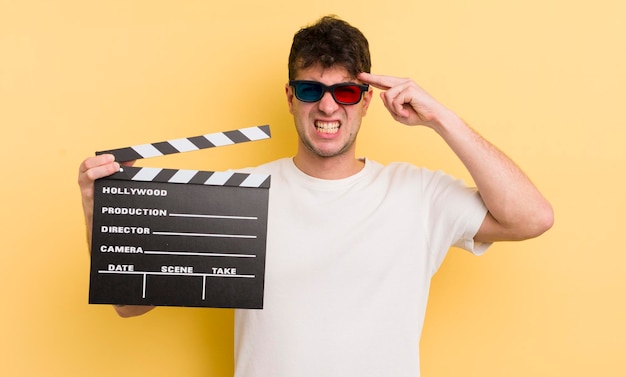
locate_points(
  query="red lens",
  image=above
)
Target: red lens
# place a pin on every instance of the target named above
(347, 93)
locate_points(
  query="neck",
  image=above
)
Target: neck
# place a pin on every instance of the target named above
(336, 167)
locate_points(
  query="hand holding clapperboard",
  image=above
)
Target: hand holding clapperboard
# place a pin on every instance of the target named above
(180, 237)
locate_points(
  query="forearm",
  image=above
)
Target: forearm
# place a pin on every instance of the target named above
(91, 169)
(517, 210)
(513, 201)
(126, 311)
(88, 215)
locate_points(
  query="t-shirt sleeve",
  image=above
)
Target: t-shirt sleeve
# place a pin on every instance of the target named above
(476, 216)
(454, 213)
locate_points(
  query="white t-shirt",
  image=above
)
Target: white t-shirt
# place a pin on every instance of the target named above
(348, 270)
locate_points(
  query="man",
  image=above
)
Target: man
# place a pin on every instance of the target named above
(352, 244)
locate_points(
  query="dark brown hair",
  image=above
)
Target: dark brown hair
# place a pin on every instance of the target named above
(330, 42)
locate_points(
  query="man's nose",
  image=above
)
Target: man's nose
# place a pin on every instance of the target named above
(327, 104)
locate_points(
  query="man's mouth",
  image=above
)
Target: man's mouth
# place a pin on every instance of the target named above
(327, 127)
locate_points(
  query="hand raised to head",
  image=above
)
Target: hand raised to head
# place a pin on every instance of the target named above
(406, 101)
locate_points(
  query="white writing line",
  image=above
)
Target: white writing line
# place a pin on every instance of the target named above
(204, 235)
(214, 216)
(144, 286)
(199, 254)
(175, 274)
(203, 288)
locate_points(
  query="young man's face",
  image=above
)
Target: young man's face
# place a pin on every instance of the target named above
(326, 128)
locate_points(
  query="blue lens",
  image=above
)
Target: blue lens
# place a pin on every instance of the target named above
(309, 92)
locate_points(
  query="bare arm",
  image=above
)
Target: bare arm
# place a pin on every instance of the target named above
(91, 169)
(517, 210)
(126, 311)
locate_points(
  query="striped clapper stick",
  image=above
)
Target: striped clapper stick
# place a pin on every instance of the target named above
(188, 144)
(171, 237)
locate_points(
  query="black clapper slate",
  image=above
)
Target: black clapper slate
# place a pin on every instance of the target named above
(171, 237)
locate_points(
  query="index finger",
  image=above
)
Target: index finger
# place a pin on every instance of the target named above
(95, 161)
(97, 167)
(381, 82)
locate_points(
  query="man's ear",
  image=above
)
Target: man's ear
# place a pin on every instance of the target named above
(289, 94)
(366, 100)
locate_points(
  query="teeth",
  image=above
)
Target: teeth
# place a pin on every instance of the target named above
(327, 127)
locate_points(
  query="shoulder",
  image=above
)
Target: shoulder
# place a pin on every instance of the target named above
(272, 167)
(403, 176)
(404, 171)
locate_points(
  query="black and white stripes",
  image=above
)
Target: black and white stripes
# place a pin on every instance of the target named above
(198, 177)
(189, 144)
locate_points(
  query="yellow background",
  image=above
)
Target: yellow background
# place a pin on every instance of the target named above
(542, 79)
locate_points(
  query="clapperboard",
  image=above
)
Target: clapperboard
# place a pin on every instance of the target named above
(171, 237)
